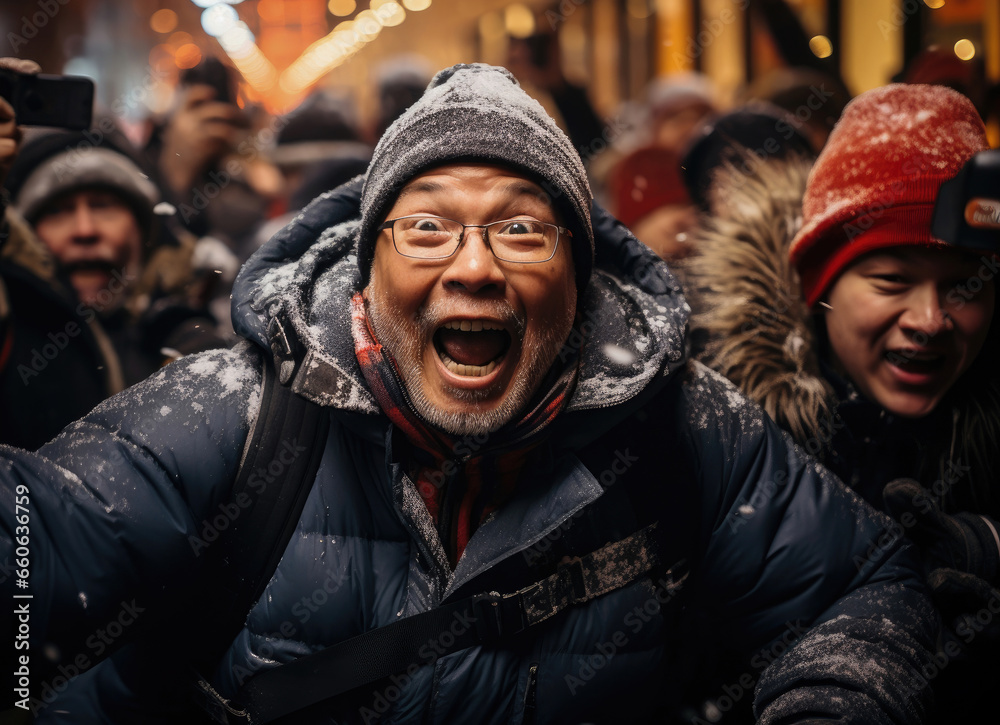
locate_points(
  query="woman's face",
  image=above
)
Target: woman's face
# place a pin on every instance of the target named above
(907, 322)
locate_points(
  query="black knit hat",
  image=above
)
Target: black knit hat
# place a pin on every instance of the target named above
(761, 129)
(478, 113)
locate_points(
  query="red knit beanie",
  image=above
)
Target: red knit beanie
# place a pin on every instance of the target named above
(875, 182)
(645, 180)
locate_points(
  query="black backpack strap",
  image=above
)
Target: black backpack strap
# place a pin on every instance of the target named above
(279, 465)
(484, 619)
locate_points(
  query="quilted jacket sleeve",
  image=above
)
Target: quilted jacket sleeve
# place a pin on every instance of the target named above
(105, 526)
(820, 588)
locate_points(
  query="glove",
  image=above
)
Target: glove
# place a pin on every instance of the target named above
(969, 607)
(966, 542)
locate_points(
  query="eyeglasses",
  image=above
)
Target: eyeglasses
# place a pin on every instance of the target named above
(524, 241)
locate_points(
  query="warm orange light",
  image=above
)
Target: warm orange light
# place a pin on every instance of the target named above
(416, 5)
(271, 11)
(163, 21)
(340, 8)
(821, 46)
(519, 20)
(965, 49)
(180, 38)
(388, 12)
(934, 4)
(161, 57)
(188, 56)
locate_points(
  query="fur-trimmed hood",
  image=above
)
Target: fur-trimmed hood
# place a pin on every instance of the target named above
(749, 320)
(751, 324)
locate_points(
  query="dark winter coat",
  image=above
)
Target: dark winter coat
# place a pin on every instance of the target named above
(755, 329)
(56, 363)
(771, 542)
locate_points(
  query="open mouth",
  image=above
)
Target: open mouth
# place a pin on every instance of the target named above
(90, 266)
(472, 348)
(916, 362)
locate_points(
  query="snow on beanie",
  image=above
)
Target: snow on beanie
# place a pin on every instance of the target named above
(876, 180)
(478, 113)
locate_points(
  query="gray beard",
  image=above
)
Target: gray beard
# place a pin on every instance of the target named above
(402, 337)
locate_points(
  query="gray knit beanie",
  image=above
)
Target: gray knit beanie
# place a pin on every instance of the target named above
(86, 167)
(478, 113)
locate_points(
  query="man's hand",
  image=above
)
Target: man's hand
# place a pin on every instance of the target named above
(966, 542)
(200, 133)
(10, 133)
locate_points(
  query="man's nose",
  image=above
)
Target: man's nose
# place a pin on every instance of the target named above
(84, 225)
(473, 267)
(925, 312)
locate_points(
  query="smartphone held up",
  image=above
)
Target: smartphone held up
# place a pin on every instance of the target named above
(49, 100)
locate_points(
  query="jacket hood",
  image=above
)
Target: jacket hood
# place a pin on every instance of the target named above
(292, 298)
(749, 312)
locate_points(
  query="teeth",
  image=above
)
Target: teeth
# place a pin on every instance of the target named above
(472, 371)
(472, 325)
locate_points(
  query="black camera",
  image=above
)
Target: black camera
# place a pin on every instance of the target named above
(49, 100)
(967, 210)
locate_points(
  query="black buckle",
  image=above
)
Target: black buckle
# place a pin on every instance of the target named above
(498, 616)
(281, 337)
(574, 569)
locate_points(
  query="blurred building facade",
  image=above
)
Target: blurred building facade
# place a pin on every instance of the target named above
(283, 48)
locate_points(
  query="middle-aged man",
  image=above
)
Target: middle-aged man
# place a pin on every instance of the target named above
(508, 413)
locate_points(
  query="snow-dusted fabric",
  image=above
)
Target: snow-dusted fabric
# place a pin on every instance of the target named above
(875, 182)
(478, 112)
(772, 541)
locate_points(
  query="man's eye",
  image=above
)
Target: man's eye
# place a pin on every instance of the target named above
(520, 226)
(427, 225)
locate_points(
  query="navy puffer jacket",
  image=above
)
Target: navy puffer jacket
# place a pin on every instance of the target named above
(771, 544)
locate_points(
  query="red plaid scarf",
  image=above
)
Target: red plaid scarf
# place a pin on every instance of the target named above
(462, 480)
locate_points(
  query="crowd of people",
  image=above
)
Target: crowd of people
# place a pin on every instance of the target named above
(461, 420)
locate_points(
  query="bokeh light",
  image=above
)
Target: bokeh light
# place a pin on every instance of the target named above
(180, 38)
(389, 12)
(821, 46)
(342, 8)
(163, 21)
(519, 20)
(416, 5)
(188, 56)
(218, 19)
(965, 49)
